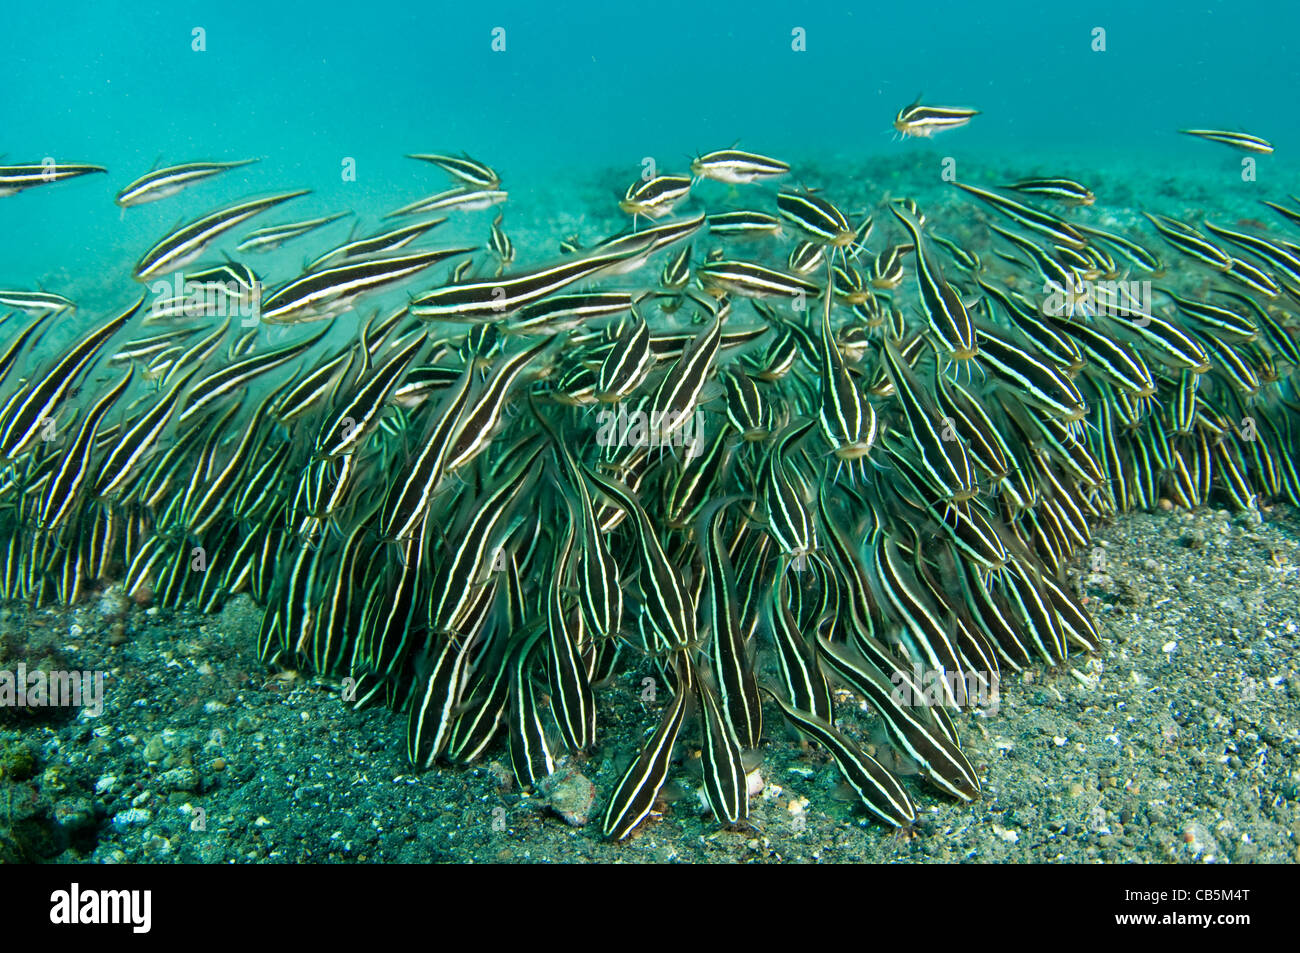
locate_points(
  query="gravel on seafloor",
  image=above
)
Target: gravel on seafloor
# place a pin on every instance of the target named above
(1177, 742)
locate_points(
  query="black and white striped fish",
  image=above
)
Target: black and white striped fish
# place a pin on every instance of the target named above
(1238, 140)
(736, 167)
(188, 242)
(924, 121)
(162, 183)
(16, 178)
(323, 294)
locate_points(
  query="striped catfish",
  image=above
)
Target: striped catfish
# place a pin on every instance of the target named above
(187, 243)
(880, 791)
(943, 307)
(637, 790)
(163, 183)
(37, 402)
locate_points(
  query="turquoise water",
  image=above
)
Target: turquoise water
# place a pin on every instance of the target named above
(582, 87)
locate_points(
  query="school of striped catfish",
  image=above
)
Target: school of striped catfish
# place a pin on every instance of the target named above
(852, 451)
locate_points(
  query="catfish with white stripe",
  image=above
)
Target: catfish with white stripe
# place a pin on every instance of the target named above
(944, 310)
(784, 495)
(1023, 585)
(462, 167)
(1226, 325)
(724, 775)
(15, 178)
(319, 295)
(670, 345)
(39, 400)
(1166, 342)
(747, 410)
(1137, 254)
(631, 250)
(1063, 190)
(887, 269)
(391, 240)
(189, 241)
(345, 430)
(1272, 327)
(476, 535)
(500, 245)
(499, 298)
(441, 672)
(197, 354)
(137, 442)
(479, 421)
(850, 288)
(1027, 317)
(36, 302)
(1256, 279)
(635, 795)
(848, 420)
(677, 270)
(817, 217)
(1290, 214)
(1190, 242)
(530, 752)
(1229, 363)
(1238, 140)
(744, 224)
(943, 457)
(924, 632)
(308, 391)
(736, 167)
(1037, 382)
(628, 363)
(806, 257)
(63, 491)
(1058, 230)
(162, 183)
(232, 379)
(565, 312)
(462, 199)
(600, 584)
(213, 498)
(15, 346)
(924, 121)
(1284, 256)
(677, 396)
(753, 281)
(572, 698)
(801, 672)
(879, 790)
(1121, 364)
(689, 484)
(730, 654)
(1058, 278)
(392, 620)
(273, 236)
(911, 727)
(409, 498)
(655, 198)
(487, 695)
(666, 601)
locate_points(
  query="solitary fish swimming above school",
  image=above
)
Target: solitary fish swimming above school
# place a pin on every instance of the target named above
(922, 121)
(1238, 140)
